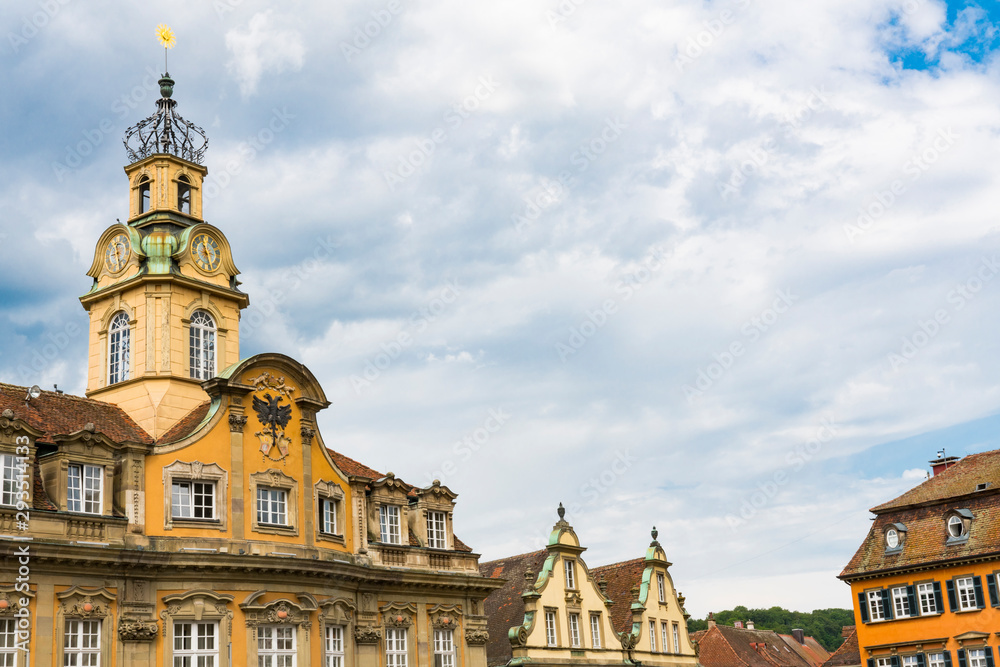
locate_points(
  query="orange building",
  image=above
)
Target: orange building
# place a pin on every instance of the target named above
(925, 580)
(187, 512)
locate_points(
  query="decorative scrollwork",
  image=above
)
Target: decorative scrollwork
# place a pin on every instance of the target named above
(134, 630)
(367, 634)
(479, 637)
(166, 131)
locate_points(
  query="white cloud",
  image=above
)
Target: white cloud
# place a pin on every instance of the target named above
(263, 47)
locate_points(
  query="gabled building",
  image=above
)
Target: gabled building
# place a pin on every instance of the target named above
(925, 580)
(847, 654)
(555, 610)
(724, 646)
(188, 512)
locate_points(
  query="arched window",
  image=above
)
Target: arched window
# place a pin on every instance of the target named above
(202, 345)
(184, 195)
(118, 349)
(143, 195)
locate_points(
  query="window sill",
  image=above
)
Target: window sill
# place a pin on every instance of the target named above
(966, 611)
(186, 522)
(331, 537)
(274, 529)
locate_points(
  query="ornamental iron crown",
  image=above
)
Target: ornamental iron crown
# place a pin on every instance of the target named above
(166, 131)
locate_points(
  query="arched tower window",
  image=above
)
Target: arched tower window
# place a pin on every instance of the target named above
(118, 349)
(184, 195)
(202, 345)
(143, 195)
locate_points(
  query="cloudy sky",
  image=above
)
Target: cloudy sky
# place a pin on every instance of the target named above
(728, 267)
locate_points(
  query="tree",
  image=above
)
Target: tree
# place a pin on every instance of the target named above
(824, 625)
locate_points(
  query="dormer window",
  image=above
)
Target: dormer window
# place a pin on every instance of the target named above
(956, 527)
(143, 195)
(958, 523)
(437, 533)
(184, 195)
(118, 349)
(389, 524)
(895, 536)
(83, 492)
(570, 574)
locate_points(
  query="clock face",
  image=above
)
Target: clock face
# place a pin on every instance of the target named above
(205, 252)
(117, 253)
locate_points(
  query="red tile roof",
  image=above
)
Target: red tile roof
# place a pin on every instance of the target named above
(621, 577)
(848, 655)
(723, 646)
(504, 606)
(186, 425)
(811, 651)
(960, 479)
(353, 468)
(61, 414)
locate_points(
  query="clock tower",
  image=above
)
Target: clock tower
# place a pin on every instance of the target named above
(165, 304)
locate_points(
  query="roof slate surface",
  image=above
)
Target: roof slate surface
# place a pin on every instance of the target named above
(504, 606)
(62, 414)
(621, 577)
(848, 654)
(723, 646)
(959, 479)
(187, 424)
(812, 652)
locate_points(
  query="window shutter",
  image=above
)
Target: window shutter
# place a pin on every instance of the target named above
(871, 662)
(953, 605)
(887, 605)
(894, 661)
(911, 595)
(989, 656)
(863, 606)
(977, 583)
(939, 603)
(947, 659)
(992, 581)
(961, 658)
(921, 661)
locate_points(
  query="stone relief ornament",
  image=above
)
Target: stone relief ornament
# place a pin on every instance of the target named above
(134, 630)
(274, 418)
(366, 634)
(476, 637)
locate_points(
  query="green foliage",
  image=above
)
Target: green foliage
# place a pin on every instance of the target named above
(824, 625)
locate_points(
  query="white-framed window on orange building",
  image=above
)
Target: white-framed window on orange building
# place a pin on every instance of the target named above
(395, 647)
(444, 648)
(333, 646)
(196, 644)
(276, 646)
(82, 643)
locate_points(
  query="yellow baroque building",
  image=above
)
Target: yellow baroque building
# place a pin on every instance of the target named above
(187, 512)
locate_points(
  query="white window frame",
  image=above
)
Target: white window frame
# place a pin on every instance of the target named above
(333, 646)
(935, 660)
(570, 568)
(188, 657)
(444, 648)
(272, 503)
(652, 635)
(8, 642)
(677, 638)
(975, 657)
(551, 637)
(437, 530)
(77, 655)
(390, 527)
(661, 586)
(926, 600)
(119, 348)
(901, 602)
(328, 516)
(574, 630)
(202, 345)
(78, 477)
(595, 630)
(885, 661)
(909, 661)
(876, 610)
(10, 471)
(965, 594)
(179, 504)
(664, 637)
(274, 655)
(396, 654)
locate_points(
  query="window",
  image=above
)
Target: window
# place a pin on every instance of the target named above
(389, 523)
(83, 493)
(677, 638)
(395, 647)
(956, 527)
(11, 470)
(977, 657)
(202, 345)
(183, 195)
(436, 533)
(876, 609)
(574, 630)
(195, 645)
(276, 646)
(663, 638)
(82, 644)
(928, 597)
(271, 506)
(118, 349)
(192, 500)
(911, 661)
(550, 628)
(444, 648)
(8, 642)
(595, 630)
(143, 195)
(652, 636)
(333, 654)
(901, 601)
(570, 568)
(883, 662)
(966, 592)
(661, 587)
(328, 516)
(891, 538)
(937, 660)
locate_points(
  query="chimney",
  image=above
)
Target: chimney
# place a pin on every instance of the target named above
(711, 620)
(800, 635)
(749, 625)
(942, 463)
(738, 624)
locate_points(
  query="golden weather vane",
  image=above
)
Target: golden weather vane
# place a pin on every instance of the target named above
(166, 37)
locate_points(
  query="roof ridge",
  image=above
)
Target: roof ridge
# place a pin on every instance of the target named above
(527, 553)
(641, 559)
(60, 394)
